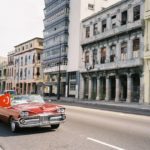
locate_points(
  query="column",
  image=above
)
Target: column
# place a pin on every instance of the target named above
(98, 55)
(118, 18)
(118, 52)
(98, 88)
(130, 13)
(141, 52)
(31, 88)
(91, 30)
(129, 88)
(100, 26)
(91, 57)
(130, 49)
(82, 87)
(107, 98)
(141, 101)
(22, 88)
(90, 88)
(67, 87)
(107, 53)
(108, 22)
(117, 98)
(27, 86)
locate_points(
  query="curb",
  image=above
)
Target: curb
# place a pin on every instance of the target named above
(109, 107)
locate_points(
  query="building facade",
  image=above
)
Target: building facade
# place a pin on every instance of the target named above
(62, 43)
(27, 66)
(112, 53)
(3, 73)
(10, 83)
(147, 53)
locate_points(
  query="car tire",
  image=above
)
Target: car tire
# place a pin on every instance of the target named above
(13, 125)
(54, 126)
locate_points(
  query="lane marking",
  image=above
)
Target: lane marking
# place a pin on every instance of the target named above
(106, 144)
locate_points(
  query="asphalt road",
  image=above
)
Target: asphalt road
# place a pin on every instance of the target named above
(84, 129)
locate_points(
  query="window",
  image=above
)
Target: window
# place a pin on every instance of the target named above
(123, 50)
(87, 57)
(39, 56)
(136, 13)
(87, 32)
(104, 25)
(72, 86)
(124, 18)
(40, 43)
(94, 57)
(103, 55)
(112, 53)
(113, 20)
(72, 76)
(136, 44)
(91, 6)
(95, 29)
(136, 47)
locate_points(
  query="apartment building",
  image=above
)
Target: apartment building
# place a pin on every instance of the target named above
(147, 53)
(27, 71)
(112, 53)
(62, 43)
(3, 73)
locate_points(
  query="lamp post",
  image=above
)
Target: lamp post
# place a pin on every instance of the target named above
(59, 75)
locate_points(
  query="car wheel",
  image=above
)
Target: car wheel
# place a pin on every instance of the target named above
(54, 126)
(13, 125)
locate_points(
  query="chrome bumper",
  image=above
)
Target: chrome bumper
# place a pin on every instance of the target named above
(41, 120)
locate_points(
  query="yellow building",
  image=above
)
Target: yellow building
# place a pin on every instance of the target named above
(147, 53)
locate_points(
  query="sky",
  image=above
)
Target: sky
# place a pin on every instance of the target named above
(20, 21)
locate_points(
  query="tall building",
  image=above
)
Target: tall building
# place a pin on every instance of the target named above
(27, 66)
(62, 43)
(112, 52)
(147, 52)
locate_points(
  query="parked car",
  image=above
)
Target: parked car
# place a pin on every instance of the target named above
(11, 92)
(32, 111)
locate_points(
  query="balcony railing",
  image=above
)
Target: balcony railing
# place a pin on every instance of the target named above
(116, 65)
(112, 32)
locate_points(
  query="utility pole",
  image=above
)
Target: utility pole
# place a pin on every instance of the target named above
(59, 75)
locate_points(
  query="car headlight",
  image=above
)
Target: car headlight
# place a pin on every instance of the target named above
(61, 110)
(24, 114)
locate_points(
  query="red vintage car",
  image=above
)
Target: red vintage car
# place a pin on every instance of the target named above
(32, 111)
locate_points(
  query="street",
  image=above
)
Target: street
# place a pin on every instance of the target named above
(84, 129)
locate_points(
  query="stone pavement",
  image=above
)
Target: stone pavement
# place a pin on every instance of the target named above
(125, 107)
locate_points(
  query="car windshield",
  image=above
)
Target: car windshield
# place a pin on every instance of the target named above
(21, 99)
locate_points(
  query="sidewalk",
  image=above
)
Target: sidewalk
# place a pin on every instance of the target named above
(134, 108)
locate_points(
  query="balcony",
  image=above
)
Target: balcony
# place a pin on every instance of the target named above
(112, 32)
(55, 7)
(116, 65)
(55, 69)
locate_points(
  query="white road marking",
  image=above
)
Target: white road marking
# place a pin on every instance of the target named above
(106, 144)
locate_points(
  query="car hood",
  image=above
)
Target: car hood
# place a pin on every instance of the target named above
(36, 108)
